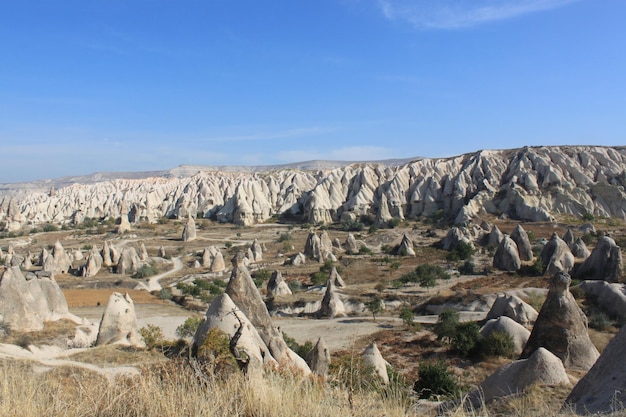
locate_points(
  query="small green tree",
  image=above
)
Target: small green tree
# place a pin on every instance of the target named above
(446, 325)
(189, 327)
(152, 335)
(434, 380)
(375, 306)
(407, 316)
(466, 338)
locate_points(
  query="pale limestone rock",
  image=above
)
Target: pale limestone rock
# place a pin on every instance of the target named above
(524, 247)
(119, 323)
(277, 286)
(244, 293)
(351, 245)
(335, 278)
(299, 259)
(506, 257)
(374, 359)
(569, 238)
(610, 296)
(226, 316)
(604, 263)
(62, 261)
(406, 247)
(162, 253)
(561, 327)
(601, 390)
(579, 249)
(218, 264)
(542, 368)
(556, 256)
(318, 359)
(257, 251)
(93, 264)
(106, 255)
(189, 231)
(332, 306)
(143, 253)
(128, 262)
(495, 237)
(504, 324)
(513, 307)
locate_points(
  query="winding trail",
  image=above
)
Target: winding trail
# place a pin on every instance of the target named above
(153, 282)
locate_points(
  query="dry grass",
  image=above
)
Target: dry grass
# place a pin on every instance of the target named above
(171, 389)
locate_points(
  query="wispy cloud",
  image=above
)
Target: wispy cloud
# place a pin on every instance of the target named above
(456, 14)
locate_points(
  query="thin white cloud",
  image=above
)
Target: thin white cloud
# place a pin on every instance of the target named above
(456, 14)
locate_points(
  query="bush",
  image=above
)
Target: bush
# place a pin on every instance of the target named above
(284, 237)
(295, 285)
(497, 344)
(146, 271)
(407, 316)
(375, 306)
(534, 270)
(260, 276)
(468, 268)
(189, 327)
(446, 325)
(599, 321)
(49, 227)
(301, 350)
(364, 250)
(587, 238)
(165, 294)
(153, 336)
(434, 380)
(462, 251)
(319, 278)
(352, 226)
(466, 338)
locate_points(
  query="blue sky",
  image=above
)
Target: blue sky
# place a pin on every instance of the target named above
(135, 85)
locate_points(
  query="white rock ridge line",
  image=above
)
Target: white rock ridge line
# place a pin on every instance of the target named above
(530, 183)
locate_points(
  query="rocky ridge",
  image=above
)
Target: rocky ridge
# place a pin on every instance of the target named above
(530, 183)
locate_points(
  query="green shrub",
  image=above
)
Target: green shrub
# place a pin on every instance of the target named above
(284, 237)
(599, 321)
(468, 268)
(375, 306)
(466, 338)
(301, 349)
(189, 327)
(153, 336)
(446, 325)
(434, 380)
(587, 238)
(319, 278)
(497, 344)
(407, 316)
(352, 226)
(364, 250)
(49, 227)
(165, 294)
(463, 250)
(534, 270)
(146, 271)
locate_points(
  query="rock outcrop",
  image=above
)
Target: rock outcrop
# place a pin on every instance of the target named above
(374, 359)
(513, 307)
(605, 262)
(318, 358)
(503, 324)
(611, 296)
(406, 247)
(128, 262)
(224, 315)
(93, 264)
(556, 256)
(351, 245)
(335, 278)
(601, 390)
(561, 327)
(528, 183)
(244, 293)
(25, 304)
(506, 256)
(542, 368)
(332, 304)
(119, 323)
(257, 251)
(277, 286)
(524, 247)
(189, 231)
(494, 237)
(62, 261)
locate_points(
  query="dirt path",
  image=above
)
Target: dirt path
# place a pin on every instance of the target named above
(50, 357)
(153, 282)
